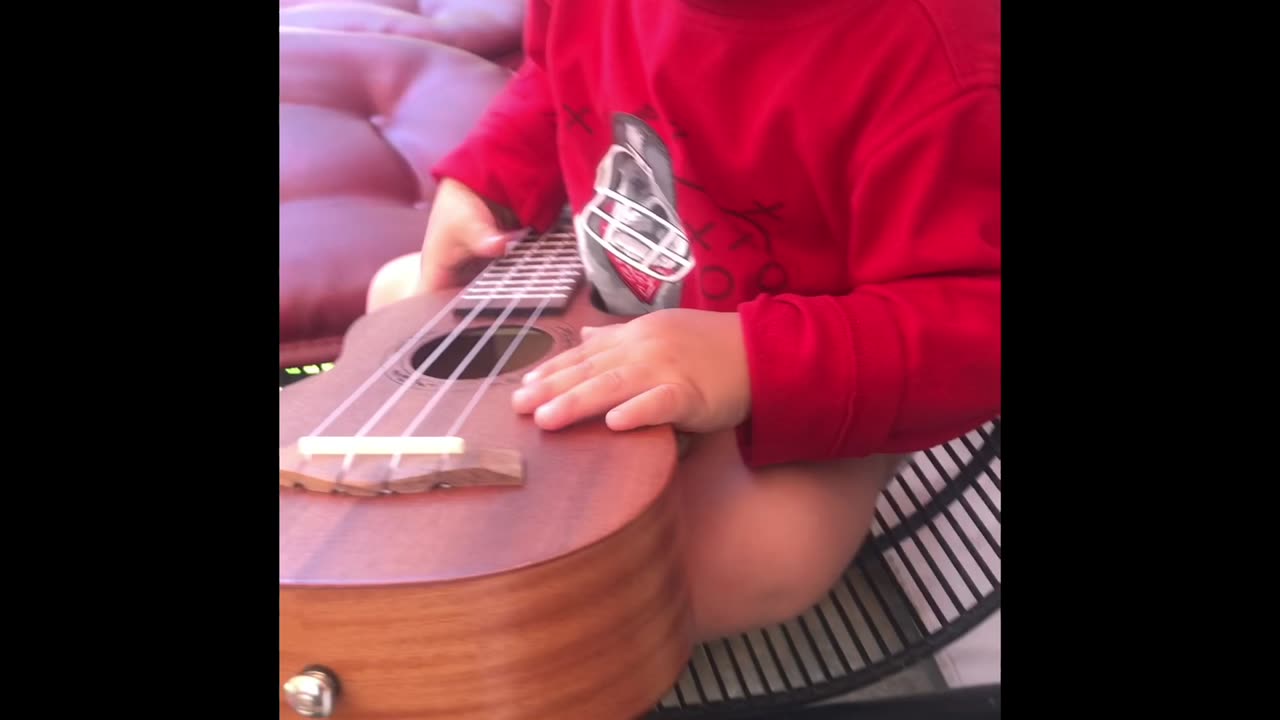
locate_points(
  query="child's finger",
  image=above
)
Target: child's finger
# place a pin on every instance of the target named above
(594, 396)
(566, 359)
(594, 340)
(493, 245)
(666, 403)
(540, 390)
(592, 331)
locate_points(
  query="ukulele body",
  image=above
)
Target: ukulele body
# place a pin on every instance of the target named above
(561, 596)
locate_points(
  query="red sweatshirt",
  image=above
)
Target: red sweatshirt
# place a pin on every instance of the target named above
(828, 169)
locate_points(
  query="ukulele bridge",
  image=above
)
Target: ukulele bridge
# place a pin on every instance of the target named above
(311, 445)
(379, 465)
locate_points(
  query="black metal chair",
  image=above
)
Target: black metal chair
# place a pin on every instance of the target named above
(929, 574)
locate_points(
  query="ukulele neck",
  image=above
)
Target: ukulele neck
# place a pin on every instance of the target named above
(540, 273)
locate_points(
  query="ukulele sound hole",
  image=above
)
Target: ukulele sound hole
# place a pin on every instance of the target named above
(531, 348)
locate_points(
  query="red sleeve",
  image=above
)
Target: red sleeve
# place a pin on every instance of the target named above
(510, 157)
(911, 357)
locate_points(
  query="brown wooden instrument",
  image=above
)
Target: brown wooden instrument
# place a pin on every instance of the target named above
(494, 570)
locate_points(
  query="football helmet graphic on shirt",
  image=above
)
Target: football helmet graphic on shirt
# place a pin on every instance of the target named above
(631, 239)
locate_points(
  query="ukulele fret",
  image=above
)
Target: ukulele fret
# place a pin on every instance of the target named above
(542, 272)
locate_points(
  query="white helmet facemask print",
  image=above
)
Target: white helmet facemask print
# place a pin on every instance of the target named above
(640, 231)
(632, 217)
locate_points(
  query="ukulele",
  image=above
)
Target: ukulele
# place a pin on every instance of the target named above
(442, 556)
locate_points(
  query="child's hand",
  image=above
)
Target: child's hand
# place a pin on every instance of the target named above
(463, 234)
(685, 367)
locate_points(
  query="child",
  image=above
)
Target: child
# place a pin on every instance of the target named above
(797, 203)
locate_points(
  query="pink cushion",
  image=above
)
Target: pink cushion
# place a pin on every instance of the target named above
(363, 118)
(491, 28)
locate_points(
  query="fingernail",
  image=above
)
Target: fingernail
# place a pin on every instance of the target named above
(544, 412)
(529, 377)
(510, 239)
(496, 242)
(586, 331)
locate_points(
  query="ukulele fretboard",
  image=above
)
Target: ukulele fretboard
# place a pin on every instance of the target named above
(540, 272)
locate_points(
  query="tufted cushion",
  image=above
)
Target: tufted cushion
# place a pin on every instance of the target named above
(490, 28)
(362, 120)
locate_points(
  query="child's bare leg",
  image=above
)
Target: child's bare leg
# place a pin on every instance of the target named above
(395, 281)
(765, 546)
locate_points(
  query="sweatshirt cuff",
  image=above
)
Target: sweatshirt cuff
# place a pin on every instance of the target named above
(538, 205)
(826, 378)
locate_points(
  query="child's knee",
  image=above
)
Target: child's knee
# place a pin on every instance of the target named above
(776, 546)
(773, 570)
(799, 570)
(768, 584)
(394, 281)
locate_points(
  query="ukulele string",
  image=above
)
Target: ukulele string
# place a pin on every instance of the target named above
(545, 264)
(386, 366)
(502, 362)
(484, 387)
(497, 369)
(506, 357)
(404, 349)
(422, 368)
(399, 354)
(493, 374)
